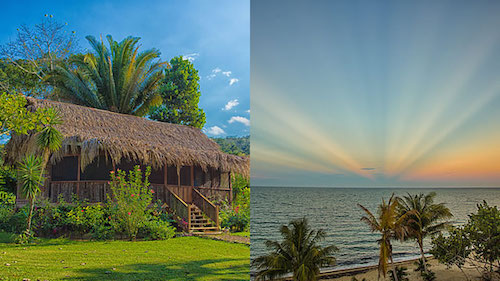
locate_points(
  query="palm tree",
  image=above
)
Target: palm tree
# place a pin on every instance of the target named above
(119, 79)
(49, 139)
(425, 218)
(390, 225)
(298, 253)
(30, 175)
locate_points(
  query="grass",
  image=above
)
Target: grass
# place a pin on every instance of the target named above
(243, 233)
(183, 258)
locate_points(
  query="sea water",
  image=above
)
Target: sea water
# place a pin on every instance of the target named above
(336, 211)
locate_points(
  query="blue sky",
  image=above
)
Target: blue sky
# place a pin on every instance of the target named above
(375, 93)
(216, 34)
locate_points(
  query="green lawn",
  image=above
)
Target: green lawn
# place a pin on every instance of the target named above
(243, 234)
(184, 258)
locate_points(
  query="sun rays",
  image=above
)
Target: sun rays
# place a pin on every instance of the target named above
(389, 120)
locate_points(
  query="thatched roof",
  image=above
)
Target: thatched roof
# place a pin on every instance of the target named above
(93, 131)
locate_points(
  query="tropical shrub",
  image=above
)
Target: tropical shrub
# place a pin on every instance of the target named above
(7, 204)
(401, 274)
(156, 229)
(478, 241)
(237, 216)
(131, 197)
(8, 181)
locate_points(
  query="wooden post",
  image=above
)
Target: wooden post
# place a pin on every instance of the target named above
(78, 176)
(192, 183)
(165, 182)
(230, 189)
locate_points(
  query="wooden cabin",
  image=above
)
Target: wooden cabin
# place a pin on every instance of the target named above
(189, 171)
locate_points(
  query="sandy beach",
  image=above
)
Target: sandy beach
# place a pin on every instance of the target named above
(370, 273)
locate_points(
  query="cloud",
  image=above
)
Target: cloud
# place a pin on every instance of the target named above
(239, 119)
(248, 111)
(226, 73)
(191, 57)
(233, 80)
(214, 73)
(214, 131)
(367, 169)
(230, 104)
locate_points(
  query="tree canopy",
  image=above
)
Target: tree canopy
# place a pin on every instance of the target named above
(181, 94)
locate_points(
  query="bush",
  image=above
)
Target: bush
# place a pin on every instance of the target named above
(401, 273)
(234, 219)
(8, 180)
(478, 238)
(7, 210)
(156, 229)
(103, 232)
(131, 198)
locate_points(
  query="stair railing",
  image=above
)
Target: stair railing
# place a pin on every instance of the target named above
(206, 206)
(179, 207)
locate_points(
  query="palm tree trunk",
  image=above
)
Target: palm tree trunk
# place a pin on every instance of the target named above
(30, 215)
(45, 160)
(421, 245)
(394, 269)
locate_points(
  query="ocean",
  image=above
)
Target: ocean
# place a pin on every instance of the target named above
(336, 211)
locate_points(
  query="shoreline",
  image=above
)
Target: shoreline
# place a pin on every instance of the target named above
(370, 272)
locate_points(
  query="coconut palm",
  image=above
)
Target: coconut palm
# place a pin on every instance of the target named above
(298, 253)
(390, 225)
(119, 79)
(425, 218)
(30, 176)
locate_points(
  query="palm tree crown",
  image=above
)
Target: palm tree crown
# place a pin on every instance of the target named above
(424, 217)
(390, 225)
(298, 253)
(119, 79)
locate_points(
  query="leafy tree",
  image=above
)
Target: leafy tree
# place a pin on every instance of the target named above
(15, 117)
(477, 242)
(118, 78)
(15, 80)
(181, 93)
(234, 145)
(298, 253)
(390, 226)
(425, 218)
(30, 175)
(34, 52)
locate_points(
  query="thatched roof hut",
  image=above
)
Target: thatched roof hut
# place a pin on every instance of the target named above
(90, 132)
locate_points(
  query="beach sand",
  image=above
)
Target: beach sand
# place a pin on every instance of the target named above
(370, 273)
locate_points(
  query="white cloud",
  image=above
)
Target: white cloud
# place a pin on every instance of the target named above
(214, 131)
(214, 73)
(230, 104)
(191, 57)
(248, 111)
(226, 73)
(233, 80)
(240, 119)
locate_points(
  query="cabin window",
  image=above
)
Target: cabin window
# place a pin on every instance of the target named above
(199, 176)
(97, 170)
(172, 175)
(66, 169)
(156, 176)
(186, 175)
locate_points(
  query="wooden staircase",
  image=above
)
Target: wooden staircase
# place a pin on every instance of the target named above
(200, 223)
(201, 215)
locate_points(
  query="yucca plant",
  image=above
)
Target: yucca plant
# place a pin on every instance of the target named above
(118, 78)
(30, 176)
(299, 253)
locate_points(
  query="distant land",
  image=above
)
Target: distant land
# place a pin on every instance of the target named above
(234, 145)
